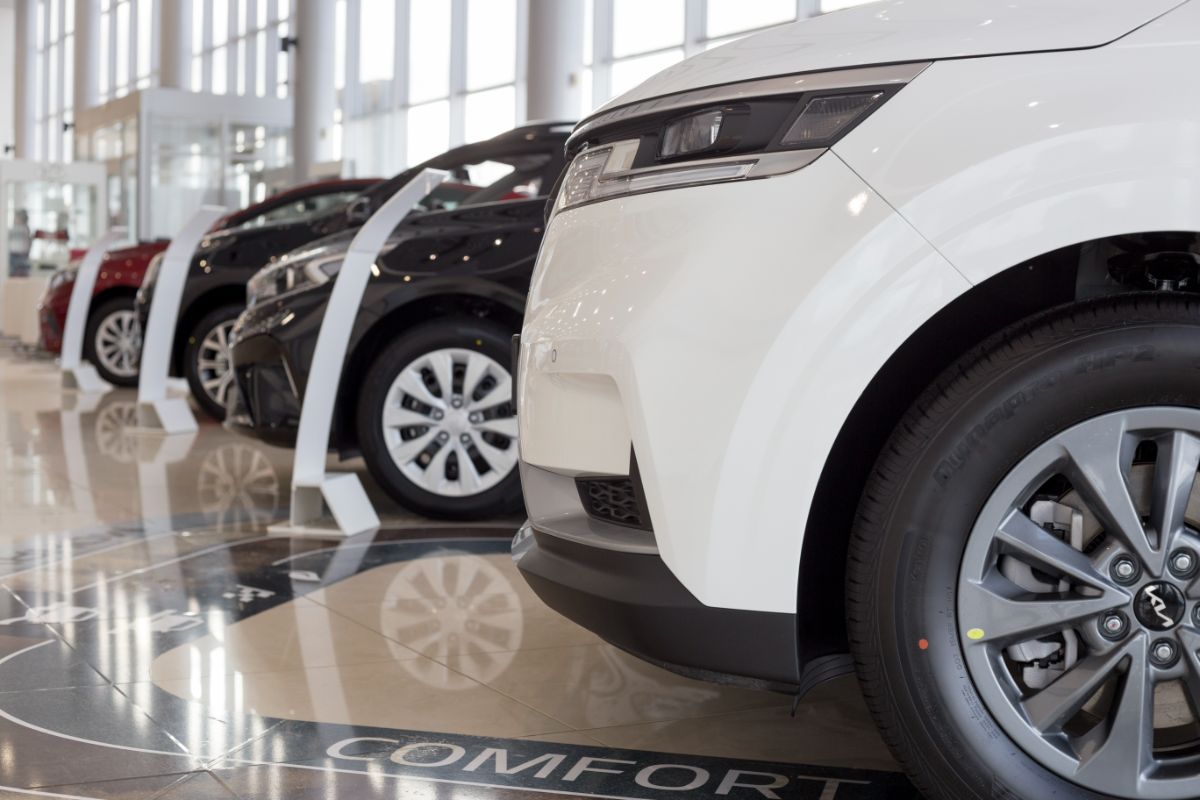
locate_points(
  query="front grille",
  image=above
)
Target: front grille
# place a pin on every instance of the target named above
(618, 500)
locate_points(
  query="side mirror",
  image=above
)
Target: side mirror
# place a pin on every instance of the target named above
(359, 210)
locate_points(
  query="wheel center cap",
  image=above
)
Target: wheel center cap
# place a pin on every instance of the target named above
(1159, 606)
(456, 422)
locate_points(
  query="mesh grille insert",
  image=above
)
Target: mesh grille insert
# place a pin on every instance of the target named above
(616, 500)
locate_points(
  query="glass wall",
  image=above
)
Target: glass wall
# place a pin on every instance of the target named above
(451, 79)
(47, 220)
(236, 47)
(55, 70)
(413, 77)
(128, 46)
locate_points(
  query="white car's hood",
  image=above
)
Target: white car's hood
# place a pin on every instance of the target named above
(907, 30)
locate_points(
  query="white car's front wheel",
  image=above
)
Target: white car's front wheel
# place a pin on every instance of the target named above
(1024, 575)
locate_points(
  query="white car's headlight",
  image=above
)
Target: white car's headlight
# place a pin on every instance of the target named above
(724, 133)
(293, 273)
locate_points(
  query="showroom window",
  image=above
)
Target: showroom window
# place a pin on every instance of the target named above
(235, 47)
(128, 58)
(425, 75)
(54, 74)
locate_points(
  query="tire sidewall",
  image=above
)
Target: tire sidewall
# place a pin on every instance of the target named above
(191, 352)
(1001, 417)
(95, 318)
(485, 336)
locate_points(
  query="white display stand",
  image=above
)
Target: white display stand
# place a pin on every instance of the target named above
(155, 409)
(75, 373)
(312, 488)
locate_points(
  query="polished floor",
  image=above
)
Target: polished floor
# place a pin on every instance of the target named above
(156, 641)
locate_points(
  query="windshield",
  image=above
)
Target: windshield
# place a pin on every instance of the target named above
(474, 178)
(299, 210)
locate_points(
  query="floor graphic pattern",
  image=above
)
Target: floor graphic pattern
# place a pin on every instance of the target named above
(78, 718)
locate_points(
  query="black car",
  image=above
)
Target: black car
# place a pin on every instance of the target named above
(215, 291)
(425, 395)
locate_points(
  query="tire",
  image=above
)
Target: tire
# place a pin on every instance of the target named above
(208, 371)
(400, 457)
(113, 341)
(940, 484)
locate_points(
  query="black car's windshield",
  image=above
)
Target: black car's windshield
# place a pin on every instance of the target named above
(474, 178)
(299, 210)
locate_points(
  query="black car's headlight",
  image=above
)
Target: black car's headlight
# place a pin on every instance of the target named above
(290, 274)
(724, 133)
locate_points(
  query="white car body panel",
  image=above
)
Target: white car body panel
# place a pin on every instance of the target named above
(906, 30)
(998, 160)
(726, 331)
(634, 339)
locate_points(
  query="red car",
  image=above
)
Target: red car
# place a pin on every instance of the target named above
(113, 340)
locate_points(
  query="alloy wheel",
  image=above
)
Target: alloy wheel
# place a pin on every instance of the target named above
(449, 422)
(118, 343)
(1077, 604)
(213, 363)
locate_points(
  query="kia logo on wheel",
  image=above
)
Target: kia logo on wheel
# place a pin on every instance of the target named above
(1159, 606)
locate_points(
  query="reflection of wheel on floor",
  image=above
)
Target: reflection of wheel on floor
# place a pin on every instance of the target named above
(453, 605)
(113, 437)
(1023, 572)
(113, 341)
(436, 420)
(237, 485)
(206, 359)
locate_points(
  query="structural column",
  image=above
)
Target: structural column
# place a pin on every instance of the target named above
(554, 66)
(175, 43)
(24, 85)
(314, 96)
(86, 80)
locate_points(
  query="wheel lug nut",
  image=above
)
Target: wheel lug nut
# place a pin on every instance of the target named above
(1114, 626)
(456, 402)
(437, 414)
(1164, 653)
(1125, 570)
(443, 437)
(1183, 563)
(475, 418)
(465, 438)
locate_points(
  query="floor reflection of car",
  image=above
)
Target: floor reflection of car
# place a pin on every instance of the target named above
(429, 405)
(215, 291)
(112, 341)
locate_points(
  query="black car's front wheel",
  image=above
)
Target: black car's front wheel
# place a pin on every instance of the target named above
(1024, 573)
(436, 420)
(208, 359)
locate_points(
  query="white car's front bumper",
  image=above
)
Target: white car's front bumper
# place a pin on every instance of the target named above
(723, 333)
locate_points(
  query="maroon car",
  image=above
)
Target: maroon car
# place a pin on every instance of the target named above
(112, 341)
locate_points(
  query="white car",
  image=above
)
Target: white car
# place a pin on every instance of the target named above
(871, 342)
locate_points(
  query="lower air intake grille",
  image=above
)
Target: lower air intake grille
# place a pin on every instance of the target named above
(616, 500)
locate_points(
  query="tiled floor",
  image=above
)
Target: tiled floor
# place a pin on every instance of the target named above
(157, 642)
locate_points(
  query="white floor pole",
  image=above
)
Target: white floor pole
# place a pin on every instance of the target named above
(155, 409)
(312, 488)
(75, 373)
